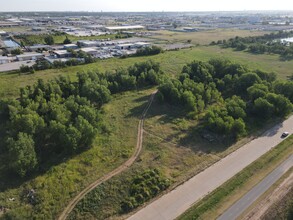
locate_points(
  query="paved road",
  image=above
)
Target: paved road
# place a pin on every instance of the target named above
(241, 205)
(115, 172)
(174, 203)
(15, 65)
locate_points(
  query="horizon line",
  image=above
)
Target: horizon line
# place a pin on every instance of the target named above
(161, 11)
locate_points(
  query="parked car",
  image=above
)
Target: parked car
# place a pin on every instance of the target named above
(285, 134)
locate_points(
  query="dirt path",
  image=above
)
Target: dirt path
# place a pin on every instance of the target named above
(115, 172)
(258, 211)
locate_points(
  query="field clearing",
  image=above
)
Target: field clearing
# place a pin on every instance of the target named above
(15, 29)
(59, 39)
(172, 144)
(203, 37)
(61, 182)
(171, 63)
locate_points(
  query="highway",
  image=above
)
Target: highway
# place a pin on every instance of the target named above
(174, 203)
(242, 204)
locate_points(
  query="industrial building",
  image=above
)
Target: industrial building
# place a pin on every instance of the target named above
(70, 46)
(87, 43)
(62, 53)
(124, 28)
(29, 56)
(4, 59)
(90, 51)
(141, 44)
(125, 46)
(3, 33)
(39, 47)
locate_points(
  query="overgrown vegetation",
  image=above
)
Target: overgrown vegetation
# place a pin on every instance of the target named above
(229, 94)
(146, 51)
(60, 38)
(268, 43)
(121, 194)
(60, 117)
(282, 209)
(144, 187)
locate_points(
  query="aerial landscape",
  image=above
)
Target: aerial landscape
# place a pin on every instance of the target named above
(146, 110)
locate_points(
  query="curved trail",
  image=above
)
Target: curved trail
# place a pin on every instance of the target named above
(115, 172)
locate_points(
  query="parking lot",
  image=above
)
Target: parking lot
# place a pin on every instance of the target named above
(15, 65)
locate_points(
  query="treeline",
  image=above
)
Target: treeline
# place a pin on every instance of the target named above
(228, 94)
(61, 117)
(146, 51)
(268, 43)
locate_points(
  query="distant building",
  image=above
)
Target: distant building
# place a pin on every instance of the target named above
(4, 59)
(39, 47)
(8, 24)
(70, 46)
(10, 44)
(287, 41)
(87, 43)
(62, 53)
(90, 51)
(125, 46)
(38, 28)
(124, 28)
(3, 33)
(141, 44)
(29, 56)
(189, 29)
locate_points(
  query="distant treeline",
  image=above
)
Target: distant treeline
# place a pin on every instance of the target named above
(268, 43)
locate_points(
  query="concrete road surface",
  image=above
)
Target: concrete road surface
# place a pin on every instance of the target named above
(15, 65)
(174, 203)
(241, 205)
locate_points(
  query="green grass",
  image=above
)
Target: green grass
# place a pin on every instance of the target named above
(171, 62)
(63, 181)
(58, 39)
(215, 199)
(202, 37)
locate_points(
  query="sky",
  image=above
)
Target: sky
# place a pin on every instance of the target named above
(144, 5)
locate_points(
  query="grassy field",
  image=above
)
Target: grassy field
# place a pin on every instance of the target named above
(172, 144)
(202, 37)
(55, 187)
(282, 208)
(223, 197)
(58, 39)
(171, 63)
(170, 141)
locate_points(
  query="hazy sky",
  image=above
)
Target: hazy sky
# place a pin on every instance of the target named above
(144, 5)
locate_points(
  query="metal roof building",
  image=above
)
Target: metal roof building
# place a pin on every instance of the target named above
(123, 28)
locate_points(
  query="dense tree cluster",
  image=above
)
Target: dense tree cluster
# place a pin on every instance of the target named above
(67, 40)
(268, 43)
(16, 51)
(229, 92)
(144, 187)
(61, 116)
(146, 51)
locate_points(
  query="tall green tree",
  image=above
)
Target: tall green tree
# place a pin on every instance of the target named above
(22, 154)
(49, 39)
